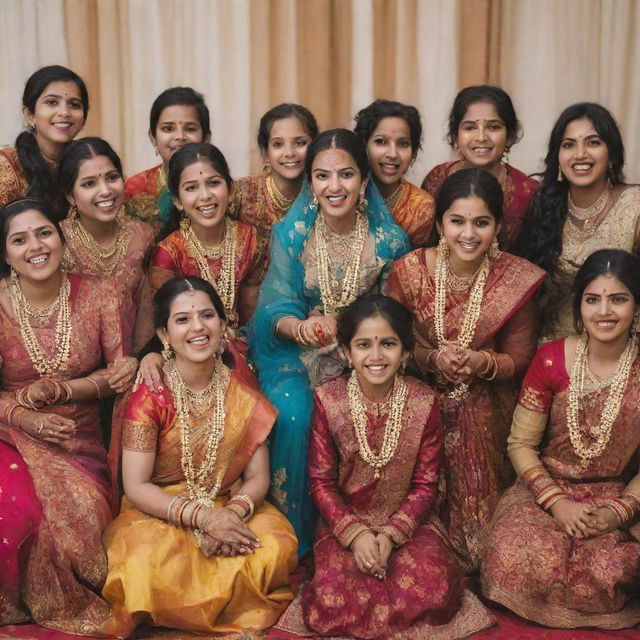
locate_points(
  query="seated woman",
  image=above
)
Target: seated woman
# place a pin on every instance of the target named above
(325, 252)
(283, 137)
(194, 546)
(375, 455)
(178, 116)
(574, 444)
(392, 131)
(55, 333)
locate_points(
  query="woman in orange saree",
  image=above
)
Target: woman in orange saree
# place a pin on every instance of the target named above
(574, 444)
(195, 547)
(475, 323)
(483, 126)
(392, 131)
(57, 496)
(178, 116)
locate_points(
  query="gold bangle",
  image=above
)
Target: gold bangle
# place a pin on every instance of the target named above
(238, 509)
(297, 334)
(277, 327)
(96, 385)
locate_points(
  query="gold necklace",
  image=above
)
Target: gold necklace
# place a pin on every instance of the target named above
(471, 313)
(199, 480)
(460, 283)
(225, 283)
(348, 289)
(391, 200)
(588, 215)
(280, 201)
(612, 404)
(43, 363)
(105, 259)
(392, 427)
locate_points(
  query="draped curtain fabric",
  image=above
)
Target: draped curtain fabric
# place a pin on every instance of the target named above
(334, 56)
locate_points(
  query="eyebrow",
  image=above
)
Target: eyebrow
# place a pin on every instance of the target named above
(183, 313)
(608, 295)
(19, 233)
(480, 217)
(336, 170)
(500, 120)
(55, 95)
(591, 135)
(108, 172)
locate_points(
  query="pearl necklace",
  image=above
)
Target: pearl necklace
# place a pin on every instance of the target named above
(589, 214)
(579, 371)
(392, 427)
(43, 363)
(349, 286)
(471, 313)
(105, 259)
(280, 201)
(225, 283)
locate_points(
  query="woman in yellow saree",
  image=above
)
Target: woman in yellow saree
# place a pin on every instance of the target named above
(194, 546)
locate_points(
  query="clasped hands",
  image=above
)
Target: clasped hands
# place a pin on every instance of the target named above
(458, 365)
(225, 534)
(316, 331)
(371, 552)
(583, 520)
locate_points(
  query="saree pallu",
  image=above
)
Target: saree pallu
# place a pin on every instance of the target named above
(13, 183)
(423, 581)
(477, 424)
(57, 556)
(148, 197)
(519, 190)
(157, 573)
(287, 372)
(555, 579)
(413, 212)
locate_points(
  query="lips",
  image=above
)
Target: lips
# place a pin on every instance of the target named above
(199, 341)
(39, 259)
(336, 200)
(291, 165)
(389, 169)
(208, 211)
(62, 125)
(582, 167)
(105, 204)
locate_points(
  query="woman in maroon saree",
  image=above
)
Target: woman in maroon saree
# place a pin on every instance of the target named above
(56, 495)
(574, 444)
(474, 365)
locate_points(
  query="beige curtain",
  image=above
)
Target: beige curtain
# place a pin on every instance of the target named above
(334, 56)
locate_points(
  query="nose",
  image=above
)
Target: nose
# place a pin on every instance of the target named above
(288, 150)
(205, 192)
(580, 149)
(603, 306)
(197, 324)
(392, 151)
(63, 108)
(481, 134)
(181, 133)
(469, 230)
(104, 187)
(376, 352)
(34, 242)
(334, 182)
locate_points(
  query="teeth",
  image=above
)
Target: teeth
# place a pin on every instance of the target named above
(208, 210)
(606, 323)
(62, 125)
(290, 164)
(199, 340)
(376, 367)
(106, 204)
(469, 245)
(582, 167)
(336, 198)
(38, 260)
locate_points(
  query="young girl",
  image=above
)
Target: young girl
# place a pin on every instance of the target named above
(101, 241)
(178, 116)
(283, 137)
(375, 455)
(392, 132)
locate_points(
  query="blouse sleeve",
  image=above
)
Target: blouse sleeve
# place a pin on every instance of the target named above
(162, 267)
(527, 431)
(141, 421)
(323, 480)
(12, 184)
(403, 522)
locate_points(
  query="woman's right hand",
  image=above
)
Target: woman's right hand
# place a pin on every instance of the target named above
(224, 525)
(450, 360)
(150, 372)
(48, 427)
(574, 517)
(366, 553)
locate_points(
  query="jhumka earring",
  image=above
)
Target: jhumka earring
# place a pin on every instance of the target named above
(560, 176)
(73, 211)
(167, 351)
(314, 201)
(505, 156)
(222, 344)
(30, 126)
(184, 222)
(362, 203)
(494, 249)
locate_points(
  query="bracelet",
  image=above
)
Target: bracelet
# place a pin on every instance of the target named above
(236, 508)
(96, 385)
(22, 398)
(429, 364)
(277, 327)
(5, 416)
(170, 516)
(492, 365)
(180, 512)
(243, 505)
(297, 334)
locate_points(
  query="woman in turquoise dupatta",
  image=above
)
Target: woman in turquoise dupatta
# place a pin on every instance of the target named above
(336, 242)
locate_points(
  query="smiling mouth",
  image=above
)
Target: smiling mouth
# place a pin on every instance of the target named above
(209, 211)
(290, 165)
(39, 259)
(62, 125)
(468, 245)
(199, 341)
(105, 204)
(582, 166)
(336, 199)
(376, 367)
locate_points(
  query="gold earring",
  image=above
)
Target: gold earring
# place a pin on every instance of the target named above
(505, 156)
(73, 211)
(314, 201)
(362, 203)
(167, 350)
(185, 223)
(494, 249)
(30, 126)
(560, 176)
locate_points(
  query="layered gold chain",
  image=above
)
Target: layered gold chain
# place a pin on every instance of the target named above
(280, 201)
(105, 259)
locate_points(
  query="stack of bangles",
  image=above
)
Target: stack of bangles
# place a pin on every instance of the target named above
(62, 393)
(185, 513)
(626, 507)
(8, 413)
(242, 505)
(299, 331)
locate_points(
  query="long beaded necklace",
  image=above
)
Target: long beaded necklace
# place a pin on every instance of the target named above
(211, 399)
(579, 371)
(471, 313)
(280, 201)
(589, 215)
(348, 289)
(105, 259)
(225, 283)
(392, 427)
(44, 364)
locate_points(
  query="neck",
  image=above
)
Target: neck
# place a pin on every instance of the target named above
(196, 375)
(341, 225)
(51, 151)
(288, 188)
(386, 189)
(103, 232)
(584, 197)
(42, 293)
(463, 268)
(210, 236)
(375, 393)
(606, 352)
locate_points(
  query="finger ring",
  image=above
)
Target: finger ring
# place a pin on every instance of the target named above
(367, 564)
(39, 430)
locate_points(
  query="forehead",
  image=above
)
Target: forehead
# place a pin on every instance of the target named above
(393, 126)
(471, 206)
(191, 301)
(333, 159)
(28, 219)
(580, 128)
(95, 165)
(289, 127)
(606, 283)
(65, 88)
(197, 170)
(481, 111)
(179, 113)
(374, 326)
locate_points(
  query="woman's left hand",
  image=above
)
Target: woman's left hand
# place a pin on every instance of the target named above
(606, 520)
(39, 394)
(122, 372)
(474, 362)
(385, 547)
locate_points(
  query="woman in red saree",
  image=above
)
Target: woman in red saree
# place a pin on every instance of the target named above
(283, 137)
(57, 496)
(475, 322)
(392, 131)
(483, 126)
(574, 444)
(178, 116)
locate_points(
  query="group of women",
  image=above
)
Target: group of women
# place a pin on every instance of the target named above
(323, 362)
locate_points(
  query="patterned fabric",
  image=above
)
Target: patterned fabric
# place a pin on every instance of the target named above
(618, 230)
(476, 426)
(13, 184)
(127, 279)
(199, 594)
(555, 579)
(252, 204)
(414, 213)
(61, 560)
(286, 371)
(148, 197)
(519, 190)
(423, 581)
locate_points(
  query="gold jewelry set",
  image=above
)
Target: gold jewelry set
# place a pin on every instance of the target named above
(619, 379)
(225, 283)
(589, 215)
(337, 295)
(392, 427)
(392, 199)
(280, 201)
(105, 259)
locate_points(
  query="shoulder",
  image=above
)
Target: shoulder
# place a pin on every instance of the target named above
(521, 178)
(418, 390)
(143, 182)
(550, 354)
(12, 180)
(175, 239)
(519, 268)
(415, 260)
(418, 198)
(335, 388)
(629, 197)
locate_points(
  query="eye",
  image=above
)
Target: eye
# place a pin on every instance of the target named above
(591, 299)
(302, 143)
(456, 221)
(389, 343)
(46, 233)
(208, 315)
(194, 128)
(114, 177)
(75, 104)
(276, 144)
(567, 144)
(379, 141)
(167, 128)
(320, 176)
(594, 142)
(496, 126)
(88, 184)
(51, 102)
(348, 174)
(181, 319)
(405, 143)
(469, 127)
(17, 240)
(190, 188)
(214, 182)
(482, 223)
(619, 299)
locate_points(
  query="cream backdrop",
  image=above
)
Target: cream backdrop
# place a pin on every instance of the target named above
(334, 56)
